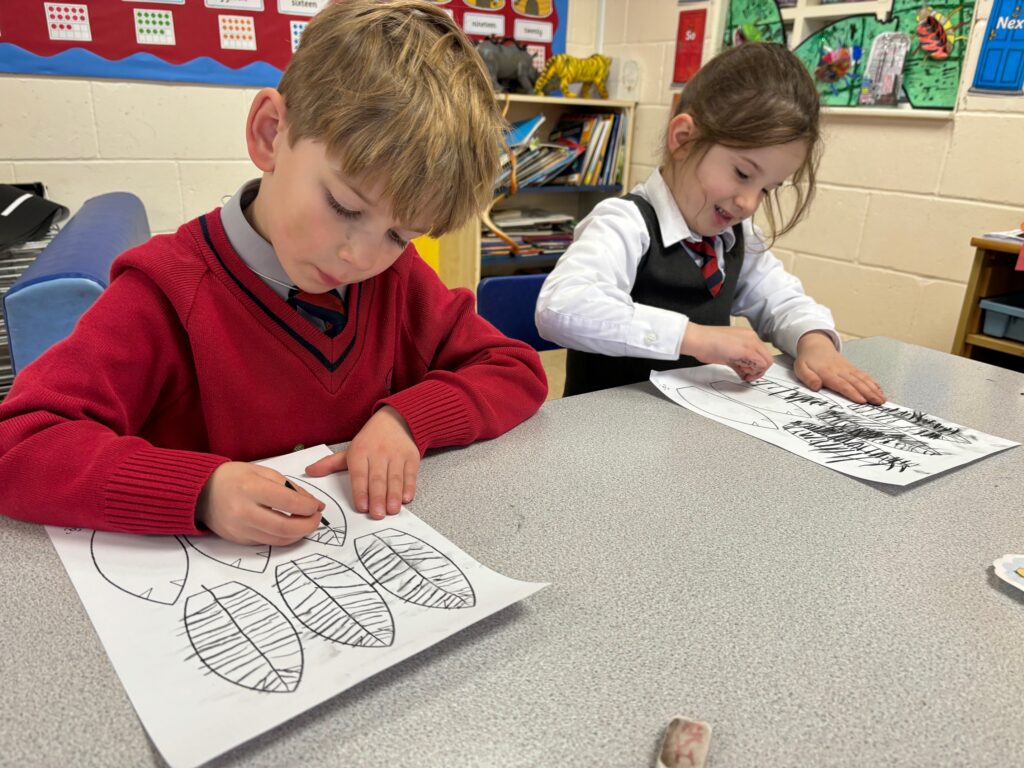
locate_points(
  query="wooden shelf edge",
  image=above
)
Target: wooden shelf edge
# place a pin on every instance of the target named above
(528, 98)
(1008, 346)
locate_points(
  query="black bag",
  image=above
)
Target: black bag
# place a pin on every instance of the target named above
(25, 215)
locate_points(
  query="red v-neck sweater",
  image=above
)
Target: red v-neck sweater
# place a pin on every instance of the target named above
(189, 360)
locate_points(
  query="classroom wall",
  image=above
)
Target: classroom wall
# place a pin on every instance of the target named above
(887, 244)
(179, 147)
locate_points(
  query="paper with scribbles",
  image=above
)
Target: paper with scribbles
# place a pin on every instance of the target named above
(887, 443)
(216, 642)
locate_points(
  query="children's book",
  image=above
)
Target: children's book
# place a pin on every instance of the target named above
(577, 128)
(521, 131)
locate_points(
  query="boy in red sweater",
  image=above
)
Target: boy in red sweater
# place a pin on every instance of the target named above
(297, 314)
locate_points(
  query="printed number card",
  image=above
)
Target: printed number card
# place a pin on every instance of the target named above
(67, 21)
(223, 642)
(298, 27)
(237, 33)
(154, 27)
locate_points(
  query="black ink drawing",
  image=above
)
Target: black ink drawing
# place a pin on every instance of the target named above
(839, 446)
(860, 428)
(792, 394)
(131, 563)
(333, 525)
(335, 602)
(887, 443)
(921, 424)
(414, 571)
(746, 394)
(243, 638)
(724, 407)
(245, 557)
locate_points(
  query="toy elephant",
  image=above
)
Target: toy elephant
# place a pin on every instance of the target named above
(509, 63)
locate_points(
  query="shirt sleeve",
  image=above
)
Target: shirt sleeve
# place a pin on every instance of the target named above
(460, 379)
(585, 302)
(773, 300)
(69, 451)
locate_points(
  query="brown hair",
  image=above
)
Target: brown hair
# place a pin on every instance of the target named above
(394, 88)
(756, 95)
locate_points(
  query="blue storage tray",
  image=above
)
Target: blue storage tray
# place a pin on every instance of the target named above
(1004, 316)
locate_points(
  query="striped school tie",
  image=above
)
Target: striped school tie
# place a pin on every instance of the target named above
(327, 307)
(713, 276)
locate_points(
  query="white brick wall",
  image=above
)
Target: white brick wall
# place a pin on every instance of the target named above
(179, 147)
(886, 245)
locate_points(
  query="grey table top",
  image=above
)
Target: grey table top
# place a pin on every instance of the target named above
(813, 619)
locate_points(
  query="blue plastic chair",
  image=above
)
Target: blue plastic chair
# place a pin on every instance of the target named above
(43, 305)
(508, 303)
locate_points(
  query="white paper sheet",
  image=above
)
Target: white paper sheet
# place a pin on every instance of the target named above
(889, 443)
(1010, 568)
(216, 643)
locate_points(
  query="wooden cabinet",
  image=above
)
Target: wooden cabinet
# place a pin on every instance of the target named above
(992, 274)
(460, 264)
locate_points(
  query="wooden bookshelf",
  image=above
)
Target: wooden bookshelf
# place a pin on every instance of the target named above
(460, 259)
(992, 274)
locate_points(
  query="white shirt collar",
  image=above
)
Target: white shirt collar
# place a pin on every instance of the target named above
(673, 226)
(257, 253)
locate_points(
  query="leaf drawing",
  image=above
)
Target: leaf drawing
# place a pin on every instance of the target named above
(918, 423)
(245, 557)
(793, 394)
(840, 446)
(862, 428)
(414, 571)
(331, 533)
(151, 567)
(758, 398)
(724, 408)
(243, 638)
(335, 602)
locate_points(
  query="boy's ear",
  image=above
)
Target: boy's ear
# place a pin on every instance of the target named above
(681, 129)
(264, 127)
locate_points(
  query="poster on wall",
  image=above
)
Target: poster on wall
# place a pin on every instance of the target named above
(233, 42)
(689, 45)
(921, 47)
(1001, 61)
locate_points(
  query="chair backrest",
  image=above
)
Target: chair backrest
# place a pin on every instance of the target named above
(43, 305)
(508, 303)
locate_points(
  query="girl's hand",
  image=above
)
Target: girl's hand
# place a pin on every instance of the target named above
(819, 363)
(739, 348)
(246, 504)
(382, 462)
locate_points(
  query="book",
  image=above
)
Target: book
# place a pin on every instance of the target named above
(512, 217)
(521, 131)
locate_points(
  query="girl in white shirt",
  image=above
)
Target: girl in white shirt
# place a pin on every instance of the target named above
(651, 279)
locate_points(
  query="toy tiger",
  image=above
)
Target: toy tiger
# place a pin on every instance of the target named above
(592, 70)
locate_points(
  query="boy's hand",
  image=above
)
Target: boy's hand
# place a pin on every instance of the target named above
(382, 462)
(819, 363)
(244, 503)
(739, 348)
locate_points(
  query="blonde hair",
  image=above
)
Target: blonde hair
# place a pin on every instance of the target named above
(756, 95)
(395, 89)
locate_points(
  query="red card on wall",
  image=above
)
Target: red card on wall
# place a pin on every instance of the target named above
(689, 44)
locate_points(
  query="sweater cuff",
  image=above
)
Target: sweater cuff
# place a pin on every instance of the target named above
(155, 490)
(436, 414)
